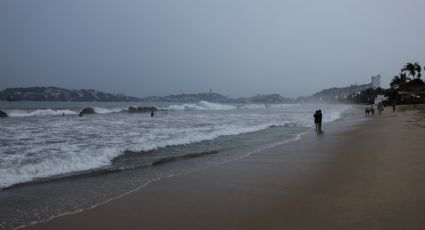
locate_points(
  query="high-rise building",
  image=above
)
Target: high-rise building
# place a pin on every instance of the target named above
(376, 81)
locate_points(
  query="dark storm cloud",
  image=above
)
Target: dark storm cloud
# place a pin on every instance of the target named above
(238, 48)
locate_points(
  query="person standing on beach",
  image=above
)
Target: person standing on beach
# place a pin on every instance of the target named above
(320, 120)
(380, 108)
(316, 119)
(393, 107)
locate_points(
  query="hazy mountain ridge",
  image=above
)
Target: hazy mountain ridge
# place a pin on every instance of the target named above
(61, 94)
(335, 93)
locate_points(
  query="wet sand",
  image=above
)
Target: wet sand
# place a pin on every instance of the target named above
(367, 176)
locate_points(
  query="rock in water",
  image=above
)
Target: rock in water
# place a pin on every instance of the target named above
(87, 110)
(3, 114)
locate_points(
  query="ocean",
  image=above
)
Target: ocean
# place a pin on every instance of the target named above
(53, 162)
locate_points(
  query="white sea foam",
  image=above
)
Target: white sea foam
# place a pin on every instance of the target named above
(39, 112)
(107, 110)
(72, 158)
(55, 112)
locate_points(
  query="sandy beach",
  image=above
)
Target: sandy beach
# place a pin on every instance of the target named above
(367, 176)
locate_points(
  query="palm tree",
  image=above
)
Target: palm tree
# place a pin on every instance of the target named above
(410, 68)
(418, 69)
(403, 77)
(396, 82)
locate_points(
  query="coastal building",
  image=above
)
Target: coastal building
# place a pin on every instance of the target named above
(376, 81)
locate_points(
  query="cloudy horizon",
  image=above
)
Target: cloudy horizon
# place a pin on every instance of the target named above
(236, 48)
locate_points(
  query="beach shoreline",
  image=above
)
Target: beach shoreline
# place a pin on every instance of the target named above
(366, 177)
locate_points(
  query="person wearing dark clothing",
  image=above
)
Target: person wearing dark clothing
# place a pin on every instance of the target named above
(152, 113)
(316, 119)
(320, 120)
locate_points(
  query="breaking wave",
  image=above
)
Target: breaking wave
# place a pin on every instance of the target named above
(56, 112)
(40, 112)
(70, 159)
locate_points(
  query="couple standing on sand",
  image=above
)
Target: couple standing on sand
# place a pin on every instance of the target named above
(318, 120)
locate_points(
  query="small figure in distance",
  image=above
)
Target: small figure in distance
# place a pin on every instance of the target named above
(380, 108)
(152, 113)
(316, 119)
(367, 111)
(372, 110)
(393, 107)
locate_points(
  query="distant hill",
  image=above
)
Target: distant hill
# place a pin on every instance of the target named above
(60, 94)
(218, 98)
(195, 97)
(270, 99)
(335, 93)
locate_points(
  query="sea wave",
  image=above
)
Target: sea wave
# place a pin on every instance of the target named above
(71, 159)
(56, 112)
(39, 112)
(107, 110)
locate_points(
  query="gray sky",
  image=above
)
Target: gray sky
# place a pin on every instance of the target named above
(238, 48)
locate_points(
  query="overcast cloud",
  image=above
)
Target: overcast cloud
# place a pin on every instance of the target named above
(237, 48)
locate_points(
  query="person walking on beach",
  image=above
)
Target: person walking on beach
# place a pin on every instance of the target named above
(393, 107)
(367, 111)
(372, 110)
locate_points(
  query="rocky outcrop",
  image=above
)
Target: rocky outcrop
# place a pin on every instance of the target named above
(140, 109)
(3, 114)
(87, 110)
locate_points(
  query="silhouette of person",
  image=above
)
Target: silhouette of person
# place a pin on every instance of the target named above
(316, 117)
(320, 119)
(152, 113)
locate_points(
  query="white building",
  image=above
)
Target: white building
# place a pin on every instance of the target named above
(376, 81)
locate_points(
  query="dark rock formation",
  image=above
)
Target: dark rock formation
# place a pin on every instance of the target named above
(140, 109)
(87, 110)
(3, 114)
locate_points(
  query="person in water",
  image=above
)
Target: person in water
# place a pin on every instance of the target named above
(152, 113)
